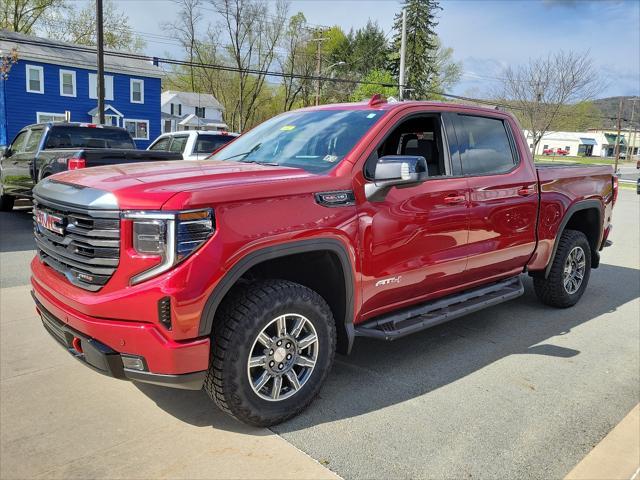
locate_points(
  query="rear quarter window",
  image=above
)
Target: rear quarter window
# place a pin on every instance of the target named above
(484, 145)
(210, 143)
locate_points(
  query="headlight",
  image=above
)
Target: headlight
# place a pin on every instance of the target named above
(171, 236)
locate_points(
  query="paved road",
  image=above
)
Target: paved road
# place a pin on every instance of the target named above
(518, 391)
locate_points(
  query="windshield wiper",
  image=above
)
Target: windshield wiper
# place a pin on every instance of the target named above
(273, 164)
(244, 154)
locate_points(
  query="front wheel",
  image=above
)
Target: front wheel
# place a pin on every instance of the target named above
(569, 274)
(273, 345)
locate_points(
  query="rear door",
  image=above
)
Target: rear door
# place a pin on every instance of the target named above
(503, 198)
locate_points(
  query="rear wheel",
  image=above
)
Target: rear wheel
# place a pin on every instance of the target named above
(569, 274)
(273, 345)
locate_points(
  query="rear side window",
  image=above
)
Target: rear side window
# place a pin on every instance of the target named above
(484, 145)
(86, 137)
(34, 140)
(178, 144)
(211, 143)
(162, 144)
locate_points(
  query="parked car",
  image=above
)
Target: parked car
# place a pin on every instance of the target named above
(562, 152)
(244, 275)
(192, 144)
(42, 149)
(548, 151)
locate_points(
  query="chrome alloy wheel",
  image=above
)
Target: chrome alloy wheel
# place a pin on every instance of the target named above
(574, 269)
(282, 357)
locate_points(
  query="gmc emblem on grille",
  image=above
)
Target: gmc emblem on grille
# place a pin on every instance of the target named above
(49, 221)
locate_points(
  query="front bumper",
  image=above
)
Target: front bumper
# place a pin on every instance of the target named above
(103, 342)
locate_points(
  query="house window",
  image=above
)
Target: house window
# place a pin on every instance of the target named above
(45, 117)
(179, 105)
(93, 86)
(568, 148)
(35, 79)
(172, 108)
(139, 129)
(137, 91)
(67, 83)
(176, 109)
(109, 120)
(167, 126)
(200, 112)
(545, 147)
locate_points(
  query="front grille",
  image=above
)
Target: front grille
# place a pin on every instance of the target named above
(83, 245)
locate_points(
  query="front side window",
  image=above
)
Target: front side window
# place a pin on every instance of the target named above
(67, 83)
(35, 79)
(137, 91)
(484, 145)
(18, 143)
(315, 141)
(138, 129)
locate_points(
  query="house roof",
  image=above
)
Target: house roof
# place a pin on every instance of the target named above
(191, 99)
(192, 120)
(107, 108)
(54, 52)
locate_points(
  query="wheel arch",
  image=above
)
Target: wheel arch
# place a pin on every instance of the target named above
(586, 217)
(342, 304)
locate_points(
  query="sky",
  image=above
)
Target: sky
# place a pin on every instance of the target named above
(486, 35)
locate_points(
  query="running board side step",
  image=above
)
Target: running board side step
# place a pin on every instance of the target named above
(413, 319)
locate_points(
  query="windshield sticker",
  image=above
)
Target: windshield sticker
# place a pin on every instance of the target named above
(330, 158)
(288, 128)
(371, 115)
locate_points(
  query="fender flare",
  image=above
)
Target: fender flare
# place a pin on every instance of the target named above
(277, 251)
(576, 207)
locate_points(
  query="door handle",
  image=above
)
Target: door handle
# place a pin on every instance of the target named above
(453, 199)
(526, 191)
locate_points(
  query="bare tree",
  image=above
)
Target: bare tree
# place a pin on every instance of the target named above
(186, 26)
(296, 60)
(542, 88)
(254, 33)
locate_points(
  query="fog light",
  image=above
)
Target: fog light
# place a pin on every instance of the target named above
(133, 362)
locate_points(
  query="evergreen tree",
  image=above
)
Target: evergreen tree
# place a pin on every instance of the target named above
(421, 65)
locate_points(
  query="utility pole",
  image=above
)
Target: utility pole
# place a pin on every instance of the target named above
(403, 53)
(630, 145)
(100, 48)
(617, 150)
(318, 41)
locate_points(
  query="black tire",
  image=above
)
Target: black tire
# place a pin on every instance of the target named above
(551, 290)
(239, 321)
(6, 203)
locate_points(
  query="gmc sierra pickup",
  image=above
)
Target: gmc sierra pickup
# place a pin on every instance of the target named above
(42, 149)
(245, 275)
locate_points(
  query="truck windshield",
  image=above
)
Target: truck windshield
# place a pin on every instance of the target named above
(314, 141)
(86, 137)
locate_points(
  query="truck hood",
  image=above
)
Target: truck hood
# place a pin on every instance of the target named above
(150, 185)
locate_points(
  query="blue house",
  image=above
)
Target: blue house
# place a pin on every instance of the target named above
(51, 83)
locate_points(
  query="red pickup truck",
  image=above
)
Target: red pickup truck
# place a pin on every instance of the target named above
(245, 275)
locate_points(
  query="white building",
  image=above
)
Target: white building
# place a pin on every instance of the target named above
(190, 111)
(589, 144)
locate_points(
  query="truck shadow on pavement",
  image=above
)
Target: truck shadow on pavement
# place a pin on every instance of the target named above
(17, 229)
(381, 374)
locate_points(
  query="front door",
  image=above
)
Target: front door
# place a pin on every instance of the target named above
(413, 243)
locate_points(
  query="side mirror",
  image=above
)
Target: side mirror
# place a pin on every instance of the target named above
(395, 171)
(5, 152)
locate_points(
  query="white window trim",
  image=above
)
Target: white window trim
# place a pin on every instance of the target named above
(141, 82)
(39, 114)
(41, 72)
(137, 120)
(73, 77)
(106, 96)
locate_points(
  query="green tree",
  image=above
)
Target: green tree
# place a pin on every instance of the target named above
(365, 91)
(24, 15)
(421, 66)
(369, 49)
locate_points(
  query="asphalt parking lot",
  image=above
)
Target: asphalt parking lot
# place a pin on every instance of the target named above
(517, 391)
